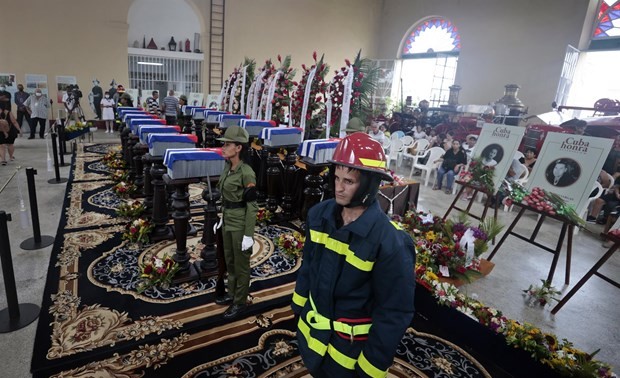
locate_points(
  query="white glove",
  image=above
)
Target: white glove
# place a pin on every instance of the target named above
(217, 225)
(247, 243)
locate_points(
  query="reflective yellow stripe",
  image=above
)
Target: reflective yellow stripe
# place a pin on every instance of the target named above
(369, 369)
(320, 322)
(299, 300)
(318, 347)
(373, 163)
(396, 225)
(341, 249)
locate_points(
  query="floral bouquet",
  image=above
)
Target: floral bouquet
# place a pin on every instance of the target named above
(76, 126)
(263, 76)
(316, 95)
(138, 231)
(157, 272)
(541, 294)
(449, 248)
(228, 87)
(478, 174)
(130, 210)
(124, 189)
(365, 76)
(291, 244)
(282, 94)
(263, 216)
(119, 175)
(561, 356)
(542, 200)
(239, 88)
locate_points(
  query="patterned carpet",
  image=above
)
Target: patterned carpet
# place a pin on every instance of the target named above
(95, 324)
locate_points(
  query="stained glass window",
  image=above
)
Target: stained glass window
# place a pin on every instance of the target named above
(433, 36)
(607, 20)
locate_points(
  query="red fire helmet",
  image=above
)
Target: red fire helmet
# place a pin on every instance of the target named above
(360, 151)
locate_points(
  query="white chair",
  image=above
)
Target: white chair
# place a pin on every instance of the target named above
(433, 154)
(519, 155)
(397, 135)
(396, 147)
(598, 188)
(386, 143)
(407, 141)
(420, 146)
(524, 176)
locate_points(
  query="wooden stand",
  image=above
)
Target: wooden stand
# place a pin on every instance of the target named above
(593, 272)
(290, 170)
(181, 217)
(211, 261)
(313, 192)
(477, 189)
(567, 226)
(138, 152)
(161, 231)
(147, 190)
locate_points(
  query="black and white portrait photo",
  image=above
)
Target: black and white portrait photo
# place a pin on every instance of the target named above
(562, 172)
(492, 154)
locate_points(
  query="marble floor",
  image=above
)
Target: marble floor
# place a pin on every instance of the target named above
(589, 319)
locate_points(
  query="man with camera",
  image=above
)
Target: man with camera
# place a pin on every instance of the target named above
(71, 100)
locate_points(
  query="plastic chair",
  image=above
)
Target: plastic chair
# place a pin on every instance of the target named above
(519, 155)
(598, 192)
(524, 176)
(397, 135)
(396, 147)
(433, 154)
(420, 147)
(407, 141)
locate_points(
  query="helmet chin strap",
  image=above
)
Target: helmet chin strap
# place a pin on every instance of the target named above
(366, 194)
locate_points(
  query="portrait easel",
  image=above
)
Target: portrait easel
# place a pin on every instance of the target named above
(567, 227)
(593, 272)
(476, 189)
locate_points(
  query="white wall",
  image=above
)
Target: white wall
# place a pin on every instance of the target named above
(160, 20)
(503, 41)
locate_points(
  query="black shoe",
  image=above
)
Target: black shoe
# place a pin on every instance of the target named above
(601, 221)
(234, 311)
(226, 299)
(591, 219)
(31, 137)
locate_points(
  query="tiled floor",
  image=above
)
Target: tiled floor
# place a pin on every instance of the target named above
(589, 319)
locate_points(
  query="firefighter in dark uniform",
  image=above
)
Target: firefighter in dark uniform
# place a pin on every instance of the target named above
(238, 187)
(355, 289)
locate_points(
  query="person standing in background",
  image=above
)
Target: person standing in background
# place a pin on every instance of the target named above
(107, 114)
(20, 98)
(97, 94)
(5, 96)
(37, 108)
(169, 108)
(152, 104)
(9, 134)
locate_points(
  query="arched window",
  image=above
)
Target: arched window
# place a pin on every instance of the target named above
(429, 53)
(434, 35)
(607, 20)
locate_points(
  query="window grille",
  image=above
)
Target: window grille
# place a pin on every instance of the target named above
(180, 75)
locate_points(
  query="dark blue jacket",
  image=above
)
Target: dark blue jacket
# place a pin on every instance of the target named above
(362, 270)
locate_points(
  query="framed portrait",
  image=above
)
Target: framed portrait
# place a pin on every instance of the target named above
(568, 165)
(496, 147)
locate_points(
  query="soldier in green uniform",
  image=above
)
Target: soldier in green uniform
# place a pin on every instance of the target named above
(237, 185)
(354, 125)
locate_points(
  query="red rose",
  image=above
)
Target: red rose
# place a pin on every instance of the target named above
(314, 55)
(148, 269)
(348, 62)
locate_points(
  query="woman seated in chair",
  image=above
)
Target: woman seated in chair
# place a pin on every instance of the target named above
(529, 159)
(453, 161)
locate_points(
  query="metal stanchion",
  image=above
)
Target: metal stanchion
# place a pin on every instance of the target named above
(57, 180)
(15, 316)
(37, 241)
